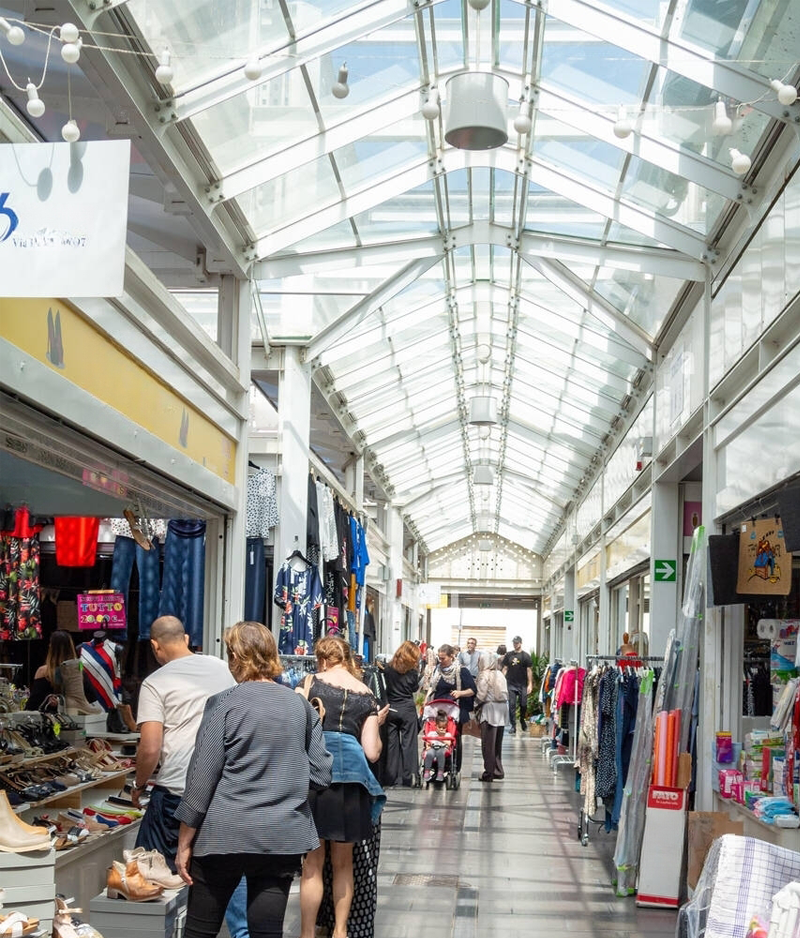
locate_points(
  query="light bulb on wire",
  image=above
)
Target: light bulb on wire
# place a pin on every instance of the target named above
(479, 4)
(164, 72)
(70, 131)
(71, 51)
(722, 125)
(430, 109)
(14, 34)
(35, 105)
(522, 122)
(787, 94)
(622, 127)
(740, 162)
(253, 70)
(340, 87)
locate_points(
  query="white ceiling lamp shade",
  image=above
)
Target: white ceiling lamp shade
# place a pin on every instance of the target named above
(483, 411)
(483, 475)
(476, 111)
(484, 544)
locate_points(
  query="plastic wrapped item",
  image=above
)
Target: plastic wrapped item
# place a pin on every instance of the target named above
(724, 747)
(785, 918)
(634, 794)
(739, 879)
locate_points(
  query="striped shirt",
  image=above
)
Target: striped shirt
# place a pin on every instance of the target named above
(258, 750)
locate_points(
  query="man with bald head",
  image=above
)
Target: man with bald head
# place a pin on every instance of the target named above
(171, 704)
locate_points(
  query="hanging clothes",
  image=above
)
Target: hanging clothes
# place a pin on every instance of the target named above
(261, 514)
(76, 541)
(298, 592)
(148, 564)
(183, 578)
(329, 547)
(312, 518)
(255, 580)
(20, 604)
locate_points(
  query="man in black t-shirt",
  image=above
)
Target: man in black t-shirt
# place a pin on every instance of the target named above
(516, 666)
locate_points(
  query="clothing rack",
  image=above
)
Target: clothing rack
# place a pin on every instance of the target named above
(622, 658)
(570, 758)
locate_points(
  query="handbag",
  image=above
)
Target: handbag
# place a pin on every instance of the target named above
(315, 702)
(471, 728)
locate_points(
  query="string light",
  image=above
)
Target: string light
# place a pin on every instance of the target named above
(14, 34)
(787, 94)
(722, 125)
(430, 109)
(523, 122)
(164, 72)
(253, 70)
(340, 87)
(740, 162)
(35, 105)
(623, 127)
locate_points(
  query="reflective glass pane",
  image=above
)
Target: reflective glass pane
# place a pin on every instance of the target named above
(359, 162)
(291, 196)
(411, 214)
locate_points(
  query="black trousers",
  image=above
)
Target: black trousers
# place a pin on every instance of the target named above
(402, 760)
(517, 695)
(492, 750)
(215, 877)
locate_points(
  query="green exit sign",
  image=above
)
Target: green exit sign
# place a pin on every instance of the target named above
(665, 571)
(569, 615)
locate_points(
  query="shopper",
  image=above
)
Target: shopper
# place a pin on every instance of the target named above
(451, 681)
(171, 702)
(245, 809)
(517, 666)
(48, 680)
(345, 813)
(492, 704)
(470, 657)
(402, 680)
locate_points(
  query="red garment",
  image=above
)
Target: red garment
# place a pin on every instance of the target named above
(22, 525)
(76, 541)
(566, 692)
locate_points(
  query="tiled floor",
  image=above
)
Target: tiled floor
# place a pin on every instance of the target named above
(498, 860)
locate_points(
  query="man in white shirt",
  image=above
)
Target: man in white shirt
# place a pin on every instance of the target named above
(469, 659)
(171, 704)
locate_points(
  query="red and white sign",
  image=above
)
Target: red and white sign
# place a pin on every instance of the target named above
(662, 847)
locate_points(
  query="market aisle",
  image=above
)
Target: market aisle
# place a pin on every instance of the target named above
(498, 860)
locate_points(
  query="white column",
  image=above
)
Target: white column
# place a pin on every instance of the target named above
(604, 606)
(711, 627)
(572, 630)
(234, 333)
(294, 428)
(393, 602)
(665, 544)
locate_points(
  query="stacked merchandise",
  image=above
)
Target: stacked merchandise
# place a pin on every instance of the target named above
(675, 724)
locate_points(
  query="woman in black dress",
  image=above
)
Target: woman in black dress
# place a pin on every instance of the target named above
(402, 680)
(47, 681)
(346, 812)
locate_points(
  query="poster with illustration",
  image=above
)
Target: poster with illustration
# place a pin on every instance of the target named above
(765, 567)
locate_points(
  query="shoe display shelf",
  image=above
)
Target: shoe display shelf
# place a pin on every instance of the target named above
(29, 885)
(163, 917)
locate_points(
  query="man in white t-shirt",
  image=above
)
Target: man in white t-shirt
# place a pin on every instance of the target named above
(171, 705)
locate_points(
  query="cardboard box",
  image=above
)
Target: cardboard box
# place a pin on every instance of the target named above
(704, 828)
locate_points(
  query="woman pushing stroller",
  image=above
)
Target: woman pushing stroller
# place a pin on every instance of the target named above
(438, 740)
(450, 681)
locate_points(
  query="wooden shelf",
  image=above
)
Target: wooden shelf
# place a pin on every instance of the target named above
(68, 799)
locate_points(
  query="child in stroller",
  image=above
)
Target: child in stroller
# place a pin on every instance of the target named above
(439, 738)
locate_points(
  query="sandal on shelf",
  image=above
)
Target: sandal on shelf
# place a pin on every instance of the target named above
(17, 924)
(65, 926)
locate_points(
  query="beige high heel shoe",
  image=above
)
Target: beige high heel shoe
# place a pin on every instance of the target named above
(153, 867)
(64, 926)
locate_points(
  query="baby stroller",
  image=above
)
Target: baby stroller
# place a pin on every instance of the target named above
(439, 749)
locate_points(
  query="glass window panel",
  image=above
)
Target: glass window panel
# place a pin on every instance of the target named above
(284, 312)
(620, 234)
(594, 71)
(290, 197)
(412, 215)
(450, 48)
(646, 11)
(264, 119)
(713, 25)
(568, 148)
(337, 236)
(643, 297)
(202, 306)
(376, 156)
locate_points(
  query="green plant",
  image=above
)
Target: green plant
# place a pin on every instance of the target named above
(538, 667)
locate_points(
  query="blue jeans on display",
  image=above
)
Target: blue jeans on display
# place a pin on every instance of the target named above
(183, 580)
(255, 584)
(148, 564)
(351, 629)
(236, 913)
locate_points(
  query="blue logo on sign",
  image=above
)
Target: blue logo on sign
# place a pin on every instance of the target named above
(10, 214)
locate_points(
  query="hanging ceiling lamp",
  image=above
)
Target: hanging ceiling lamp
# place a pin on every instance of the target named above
(476, 111)
(483, 475)
(482, 410)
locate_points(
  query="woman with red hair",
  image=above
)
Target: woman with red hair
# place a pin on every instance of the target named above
(402, 681)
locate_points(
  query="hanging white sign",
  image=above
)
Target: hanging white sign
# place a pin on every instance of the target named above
(63, 218)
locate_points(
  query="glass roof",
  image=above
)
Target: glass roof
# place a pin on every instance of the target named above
(419, 275)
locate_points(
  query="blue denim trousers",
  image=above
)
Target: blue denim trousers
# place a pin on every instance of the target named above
(148, 564)
(183, 579)
(236, 913)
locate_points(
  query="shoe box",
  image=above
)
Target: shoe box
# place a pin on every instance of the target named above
(163, 917)
(28, 880)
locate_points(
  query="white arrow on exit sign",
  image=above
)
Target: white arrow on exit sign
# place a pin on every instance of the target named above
(665, 571)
